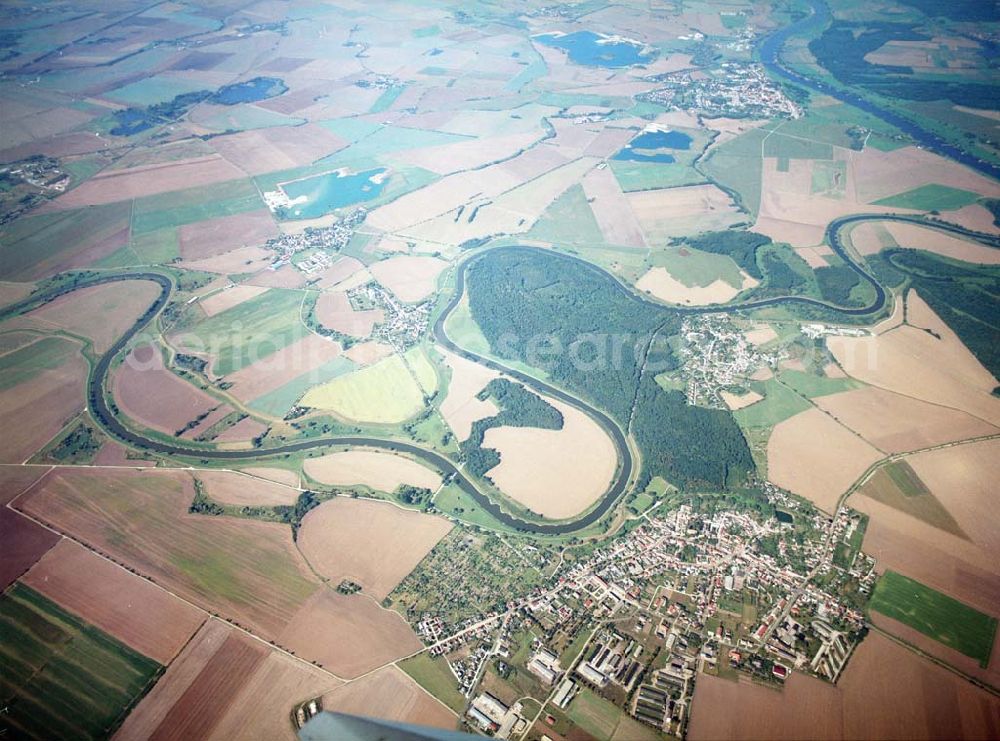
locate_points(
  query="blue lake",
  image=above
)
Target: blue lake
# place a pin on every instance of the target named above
(653, 140)
(592, 49)
(330, 191)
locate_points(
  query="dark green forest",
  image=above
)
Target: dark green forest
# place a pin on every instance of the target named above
(602, 332)
(739, 245)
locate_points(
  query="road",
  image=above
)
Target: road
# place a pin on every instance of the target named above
(108, 419)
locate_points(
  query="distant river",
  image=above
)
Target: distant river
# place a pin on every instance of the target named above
(770, 51)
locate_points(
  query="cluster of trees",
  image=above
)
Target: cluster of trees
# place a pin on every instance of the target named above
(836, 283)
(742, 246)
(518, 408)
(781, 278)
(601, 334)
(415, 495)
(675, 436)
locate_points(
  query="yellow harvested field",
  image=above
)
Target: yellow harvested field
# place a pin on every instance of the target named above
(284, 277)
(240, 260)
(912, 362)
(342, 269)
(672, 212)
(117, 304)
(886, 692)
(761, 335)
(543, 469)
(813, 456)
(378, 470)
(383, 393)
(814, 256)
(11, 292)
(348, 634)
(921, 238)
(880, 174)
(460, 407)
(895, 423)
(263, 706)
(975, 217)
(791, 212)
(734, 401)
(762, 374)
(391, 695)
(278, 475)
(374, 544)
(660, 283)
(368, 353)
(468, 155)
(123, 185)
(512, 211)
(951, 564)
(229, 487)
(223, 233)
(334, 310)
(611, 209)
(277, 148)
(964, 478)
(411, 278)
(228, 298)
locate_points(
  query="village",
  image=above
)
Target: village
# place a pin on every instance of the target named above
(736, 89)
(727, 592)
(718, 357)
(326, 241)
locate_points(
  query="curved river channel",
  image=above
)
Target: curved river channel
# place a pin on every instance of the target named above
(106, 417)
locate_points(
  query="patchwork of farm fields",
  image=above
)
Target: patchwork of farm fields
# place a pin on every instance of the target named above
(381, 360)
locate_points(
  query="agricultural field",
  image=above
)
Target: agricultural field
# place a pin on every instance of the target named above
(385, 393)
(936, 615)
(132, 610)
(62, 675)
(337, 539)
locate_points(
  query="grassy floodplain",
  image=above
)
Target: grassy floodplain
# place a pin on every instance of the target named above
(60, 677)
(936, 615)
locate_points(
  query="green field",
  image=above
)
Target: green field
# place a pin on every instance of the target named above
(27, 362)
(245, 117)
(634, 176)
(280, 400)
(780, 144)
(463, 330)
(738, 166)
(779, 403)
(194, 204)
(812, 385)
(829, 178)
(898, 486)
(59, 676)
(594, 714)
(37, 246)
(936, 615)
(433, 674)
(931, 197)
(569, 220)
(697, 268)
(250, 331)
(385, 393)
